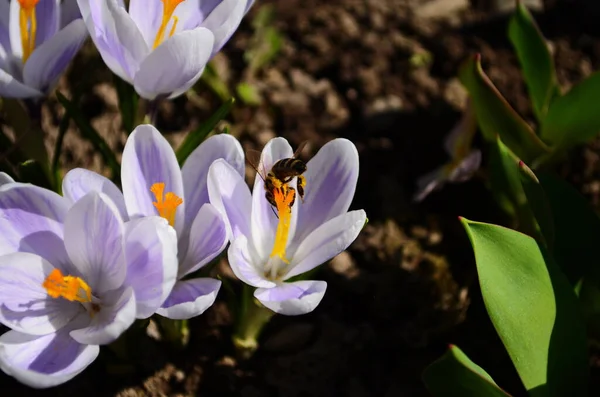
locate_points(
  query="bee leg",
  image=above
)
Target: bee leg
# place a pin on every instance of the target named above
(300, 185)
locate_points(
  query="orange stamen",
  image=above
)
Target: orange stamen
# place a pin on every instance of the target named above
(284, 198)
(69, 287)
(27, 26)
(166, 207)
(169, 7)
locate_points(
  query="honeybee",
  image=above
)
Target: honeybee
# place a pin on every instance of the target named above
(281, 173)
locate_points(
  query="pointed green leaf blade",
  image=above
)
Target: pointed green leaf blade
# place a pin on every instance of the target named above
(574, 117)
(455, 375)
(196, 137)
(535, 59)
(496, 117)
(538, 203)
(577, 229)
(533, 309)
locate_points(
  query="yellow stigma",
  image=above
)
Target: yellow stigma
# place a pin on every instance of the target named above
(28, 26)
(165, 205)
(169, 7)
(284, 197)
(69, 287)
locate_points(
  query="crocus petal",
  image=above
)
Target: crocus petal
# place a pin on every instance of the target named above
(15, 29)
(115, 35)
(241, 262)
(94, 241)
(5, 178)
(12, 88)
(249, 5)
(190, 298)
(78, 182)
(195, 169)
(292, 299)
(44, 361)
(69, 11)
(264, 221)
(25, 303)
(466, 168)
(148, 159)
(147, 15)
(4, 27)
(224, 20)
(207, 239)
(116, 315)
(151, 254)
(175, 65)
(31, 220)
(50, 60)
(331, 177)
(47, 14)
(229, 193)
(326, 241)
(429, 182)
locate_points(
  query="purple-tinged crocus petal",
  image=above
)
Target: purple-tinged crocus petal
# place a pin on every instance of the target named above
(117, 38)
(78, 182)
(331, 177)
(94, 234)
(44, 361)
(242, 264)
(429, 182)
(147, 15)
(31, 220)
(117, 313)
(190, 298)
(326, 241)
(12, 88)
(151, 254)
(292, 299)
(229, 193)
(14, 27)
(224, 20)
(195, 169)
(50, 60)
(5, 178)
(69, 11)
(466, 168)
(47, 17)
(148, 159)
(25, 305)
(263, 219)
(187, 54)
(4, 28)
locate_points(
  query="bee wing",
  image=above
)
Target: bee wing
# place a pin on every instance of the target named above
(253, 158)
(300, 149)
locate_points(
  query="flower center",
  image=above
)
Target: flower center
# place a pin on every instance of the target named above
(28, 26)
(69, 287)
(166, 204)
(284, 198)
(169, 7)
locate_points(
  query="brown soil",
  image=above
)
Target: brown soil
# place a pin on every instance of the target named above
(381, 73)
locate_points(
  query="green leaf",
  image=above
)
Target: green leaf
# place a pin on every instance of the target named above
(215, 82)
(496, 117)
(196, 137)
(128, 103)
(574, 117)
(249, 94)
(455, 375)
(505, 183)
(62, 130)
(577, 229)
(533, 309)
(535, 59)
(539, 204)
(90, 133)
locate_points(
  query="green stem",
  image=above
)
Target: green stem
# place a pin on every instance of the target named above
(252, 318)
(175, 332)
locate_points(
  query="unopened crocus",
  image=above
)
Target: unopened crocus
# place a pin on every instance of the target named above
(268, 249)
(38, 40)
(161, 46)
(464, 159)
(73, 277)
(153, 184)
